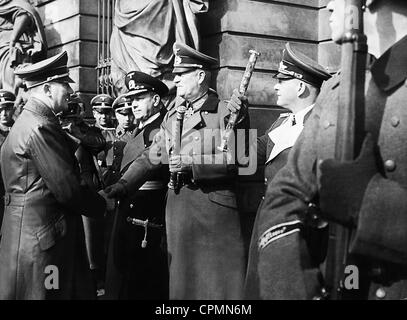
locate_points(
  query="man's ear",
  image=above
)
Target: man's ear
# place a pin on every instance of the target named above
(47, 89)
(301, 88)
(201, 75)
(156, 100)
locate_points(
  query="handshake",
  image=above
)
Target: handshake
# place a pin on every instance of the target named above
(113, 192)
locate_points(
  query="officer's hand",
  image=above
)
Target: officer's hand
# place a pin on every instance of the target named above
(343, 185)
(116, 191)
(238, 103)
(180, 163)
(110, 203)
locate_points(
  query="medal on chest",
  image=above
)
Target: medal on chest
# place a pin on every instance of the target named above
(189, 112)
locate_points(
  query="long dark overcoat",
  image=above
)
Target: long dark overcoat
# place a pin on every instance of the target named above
(42, 227)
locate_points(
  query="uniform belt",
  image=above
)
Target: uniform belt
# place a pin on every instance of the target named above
(14, 199)
(153, 185)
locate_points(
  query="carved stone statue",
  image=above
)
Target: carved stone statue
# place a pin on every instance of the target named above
(144, 32)
(22, 39)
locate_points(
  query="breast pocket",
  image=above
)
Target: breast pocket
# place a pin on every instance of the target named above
(49, 235)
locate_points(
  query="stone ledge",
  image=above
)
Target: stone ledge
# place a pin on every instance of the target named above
(233, 50)
(273, 19)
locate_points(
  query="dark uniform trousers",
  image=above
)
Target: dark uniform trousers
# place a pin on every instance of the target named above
(110, 161)
(285, 264)
(133, 271)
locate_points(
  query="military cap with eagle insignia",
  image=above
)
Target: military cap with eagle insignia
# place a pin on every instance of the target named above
(53, 69)
(187, 59)
(138, 82)
(122, 102)
(102, 101)
(295, 65)
(6, 98)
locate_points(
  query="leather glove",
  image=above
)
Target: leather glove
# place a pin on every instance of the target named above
(180, 163)
(238, 103)
(110, 203)
(343, 185)
(116, 191)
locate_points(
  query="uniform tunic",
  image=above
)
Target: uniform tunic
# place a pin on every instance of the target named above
(286, 268)
(44, 201)
(134, 272)
(205, 244)
(271, 160)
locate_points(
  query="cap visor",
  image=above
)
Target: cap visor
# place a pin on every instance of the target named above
(134, 92)
(182, 70)
(282, 76)
(6, 102)
(65, 79)
(68, 79)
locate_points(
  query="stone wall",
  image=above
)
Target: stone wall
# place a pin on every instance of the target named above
(229, 30)
(232, 27)
(71, 25)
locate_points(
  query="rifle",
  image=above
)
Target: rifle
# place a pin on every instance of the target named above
(244, 84)
(350, 133)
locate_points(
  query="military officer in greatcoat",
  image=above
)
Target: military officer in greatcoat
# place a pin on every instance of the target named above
(137, 260)
(42, 231)
(7, 100)
(299, 82)
(205, 244)
(373, 185)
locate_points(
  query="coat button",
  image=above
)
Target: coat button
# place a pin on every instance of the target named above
(390, 165)
(196, 138)
(395, 121)
(326, 124)
(206, 112)
(380, 293)
(131, 206)
(262, 198)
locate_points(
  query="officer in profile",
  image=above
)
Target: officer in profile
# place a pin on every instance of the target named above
(45, 195)
(299, 82)
(137, 265)
(366, 196)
